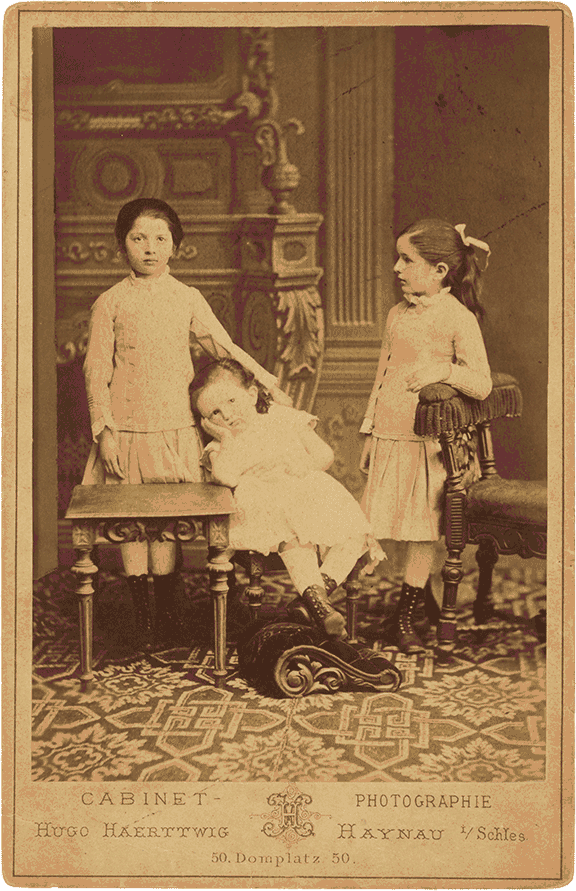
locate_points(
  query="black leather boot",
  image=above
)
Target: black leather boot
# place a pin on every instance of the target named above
(168, 630)
(138, 585)
(399, 630)
(323, 614)
(297, 608)
(427, 611)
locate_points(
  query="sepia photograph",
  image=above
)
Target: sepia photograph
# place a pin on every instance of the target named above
(288, 359)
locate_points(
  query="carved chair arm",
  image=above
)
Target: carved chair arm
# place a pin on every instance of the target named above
(443, 410)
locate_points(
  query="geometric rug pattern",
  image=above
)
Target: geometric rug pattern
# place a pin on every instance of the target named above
(478, 718)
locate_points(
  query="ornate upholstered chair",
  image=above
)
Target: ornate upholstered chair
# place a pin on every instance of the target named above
(501, 516)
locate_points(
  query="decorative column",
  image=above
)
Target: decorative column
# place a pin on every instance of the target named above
(280, 303)
(358, 256)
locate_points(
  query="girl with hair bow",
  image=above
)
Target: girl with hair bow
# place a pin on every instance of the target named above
(432, 335)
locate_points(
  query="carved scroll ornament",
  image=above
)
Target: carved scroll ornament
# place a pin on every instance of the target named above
(151, 529)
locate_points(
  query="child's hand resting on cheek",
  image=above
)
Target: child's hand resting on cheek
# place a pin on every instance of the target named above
(215, 430)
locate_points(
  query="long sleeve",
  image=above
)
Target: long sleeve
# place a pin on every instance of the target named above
(99, 366)
(214, 338)
(471, 372)
(368, 423)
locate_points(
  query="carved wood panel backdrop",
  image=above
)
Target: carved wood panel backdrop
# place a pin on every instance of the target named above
(359, 243)
(139, 114)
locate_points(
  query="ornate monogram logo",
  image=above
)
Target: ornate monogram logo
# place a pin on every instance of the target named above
(290, 820)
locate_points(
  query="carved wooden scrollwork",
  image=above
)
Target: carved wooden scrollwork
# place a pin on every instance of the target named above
(301, 671)
(280, 176)
(258, 96)
(195, 120)
(72, 337)
(300, 329)
(300, 322)
(260, 101)
(508, 540)
(156, 529)
(292, 660)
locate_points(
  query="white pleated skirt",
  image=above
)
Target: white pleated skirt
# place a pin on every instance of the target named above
(164, 456)
(404, 495)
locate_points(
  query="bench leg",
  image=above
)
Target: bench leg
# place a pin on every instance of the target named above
(255, 591)
(83, 538)
(219, 566)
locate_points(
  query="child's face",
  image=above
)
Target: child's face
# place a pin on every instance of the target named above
(228, 404)
(149, 246)
(416, 275)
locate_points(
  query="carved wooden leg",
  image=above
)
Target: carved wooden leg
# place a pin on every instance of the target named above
(352, 587)
(83, 538)
(452, 574)
(486, 557)
(219, 567)
(455, 542)
(255, 591)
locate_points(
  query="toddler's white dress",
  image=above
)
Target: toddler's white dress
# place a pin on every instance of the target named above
(404, 492)
(280, 497)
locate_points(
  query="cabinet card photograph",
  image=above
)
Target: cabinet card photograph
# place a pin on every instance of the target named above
(288, 359)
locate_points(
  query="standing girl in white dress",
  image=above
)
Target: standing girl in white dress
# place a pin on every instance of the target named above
(272, 457)
(138, 370)
(432, 335)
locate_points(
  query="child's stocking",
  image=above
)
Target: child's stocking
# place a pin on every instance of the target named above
(302, 565)
(163, 557)
(342, 558)
(135, 557)
(419, 560)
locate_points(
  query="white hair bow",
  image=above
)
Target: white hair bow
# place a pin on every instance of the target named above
(467, 240)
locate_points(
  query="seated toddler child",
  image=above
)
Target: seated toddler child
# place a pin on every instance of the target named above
(275, 461)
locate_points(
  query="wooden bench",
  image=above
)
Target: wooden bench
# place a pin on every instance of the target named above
(168, 512)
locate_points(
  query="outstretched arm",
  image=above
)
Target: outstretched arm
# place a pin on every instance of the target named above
(216, 341)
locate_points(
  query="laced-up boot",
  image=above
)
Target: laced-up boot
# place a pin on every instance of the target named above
(401, 629)
(323, 613)
(168, 630)
(426, 612)
(138, 585)
(298, 610)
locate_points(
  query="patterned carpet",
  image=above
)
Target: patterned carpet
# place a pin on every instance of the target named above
(481, 717)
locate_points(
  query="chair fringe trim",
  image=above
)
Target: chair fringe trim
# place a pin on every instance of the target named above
(449, 414)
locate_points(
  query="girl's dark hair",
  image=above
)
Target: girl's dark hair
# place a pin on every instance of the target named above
(439, 242)
(246, 379)
(147, 207)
